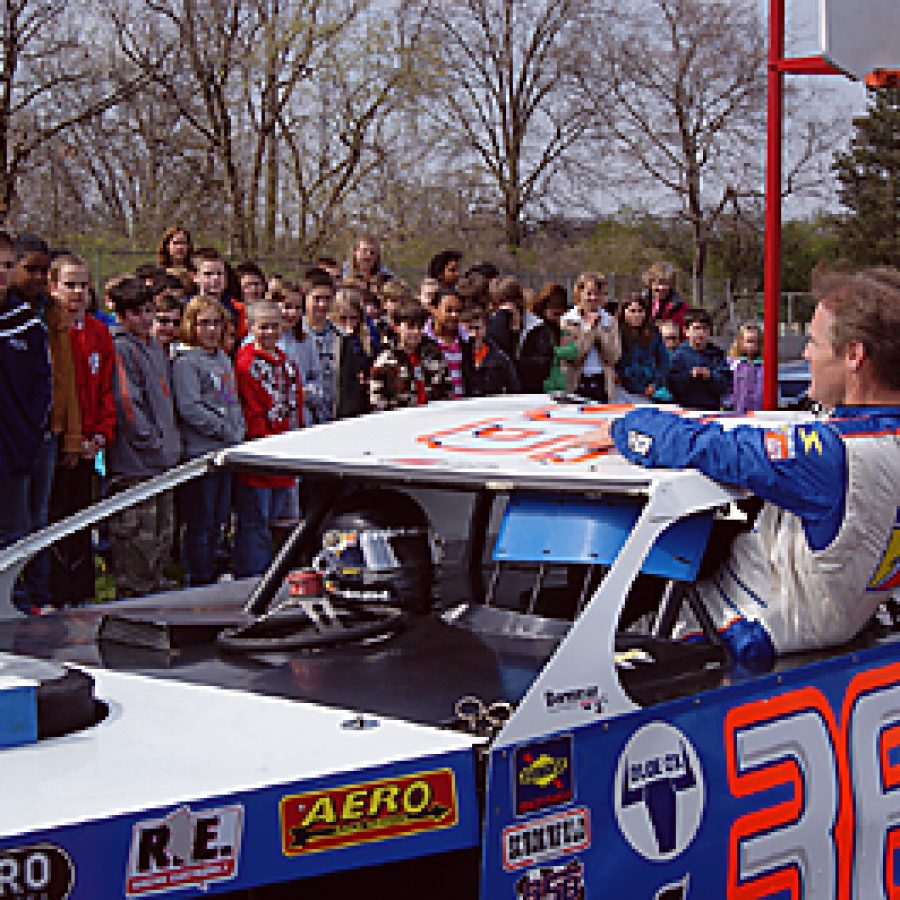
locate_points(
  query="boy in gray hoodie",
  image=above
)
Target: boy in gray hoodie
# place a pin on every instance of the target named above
(210, 418)
(147, 443)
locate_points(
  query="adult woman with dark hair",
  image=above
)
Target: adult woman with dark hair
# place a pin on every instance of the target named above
(521, 334)
(644, 364)
(175, 249)
(596, 335)
(550, 305)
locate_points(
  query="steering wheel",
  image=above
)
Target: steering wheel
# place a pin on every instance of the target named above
(309, 623)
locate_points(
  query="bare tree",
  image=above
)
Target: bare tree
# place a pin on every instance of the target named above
(51, 79)
(686, 102)
(348, 130)
(509, 69)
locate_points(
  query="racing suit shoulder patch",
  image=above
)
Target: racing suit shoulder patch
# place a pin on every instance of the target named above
(639, 442)
(779, 444)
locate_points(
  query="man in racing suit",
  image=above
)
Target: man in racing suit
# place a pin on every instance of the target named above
(825, 549)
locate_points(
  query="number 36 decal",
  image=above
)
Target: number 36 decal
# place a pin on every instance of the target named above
(830, 827)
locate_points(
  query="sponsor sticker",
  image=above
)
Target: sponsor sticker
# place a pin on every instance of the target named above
(332, 818)
(184, 849)
(586, 699)
(561, 834)
(552, 883)
(779, 444)
(542, 774)
(659, 791)
(36, 872)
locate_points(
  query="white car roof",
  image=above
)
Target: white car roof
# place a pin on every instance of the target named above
(503, 443)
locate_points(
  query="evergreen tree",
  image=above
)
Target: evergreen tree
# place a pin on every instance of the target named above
(869, 176)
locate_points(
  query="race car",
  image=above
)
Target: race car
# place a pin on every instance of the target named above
(458, 678)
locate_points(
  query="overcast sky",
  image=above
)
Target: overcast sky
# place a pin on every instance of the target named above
(835, 93)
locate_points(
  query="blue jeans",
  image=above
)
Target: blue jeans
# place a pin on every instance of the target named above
(15, 515)
(256, 509)
(205, 507)
(37, 572)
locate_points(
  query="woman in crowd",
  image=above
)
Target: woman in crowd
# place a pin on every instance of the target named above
(644, 364)
(745, 361)
(175, 249)
(596, 335)
(365, 266)
(520, 334)
(209, 418)
(550, 305)
(665, 304)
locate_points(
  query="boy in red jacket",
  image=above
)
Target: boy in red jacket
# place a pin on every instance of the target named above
(72, 560)
(269, 388)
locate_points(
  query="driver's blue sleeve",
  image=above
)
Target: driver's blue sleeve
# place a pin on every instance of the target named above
(800, 468)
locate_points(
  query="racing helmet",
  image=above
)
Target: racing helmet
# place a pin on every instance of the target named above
(376, 548)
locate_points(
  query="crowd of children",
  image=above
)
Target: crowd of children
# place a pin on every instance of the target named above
(200, 356)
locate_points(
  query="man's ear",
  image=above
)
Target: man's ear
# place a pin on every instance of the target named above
(855, 355)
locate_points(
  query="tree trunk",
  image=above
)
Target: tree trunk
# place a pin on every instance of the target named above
(699, 263)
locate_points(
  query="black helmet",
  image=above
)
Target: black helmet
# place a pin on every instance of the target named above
(376, 547)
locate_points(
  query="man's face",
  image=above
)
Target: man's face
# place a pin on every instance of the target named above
(318, 305)
(410, 334)
(266, 329)
(252, 288)
(697, 335)
(29, 276)
(7, 262)
(211, 277)
(827, 368)
(72, 290)
(139, 321)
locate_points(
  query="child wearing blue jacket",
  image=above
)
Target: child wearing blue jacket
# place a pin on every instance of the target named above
(24, 401)
(698, 373)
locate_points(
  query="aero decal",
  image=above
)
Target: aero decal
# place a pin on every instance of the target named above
(336, 817)
(839, 833)
(787, 740)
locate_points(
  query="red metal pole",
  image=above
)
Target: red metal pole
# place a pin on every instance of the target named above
(772, 252)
